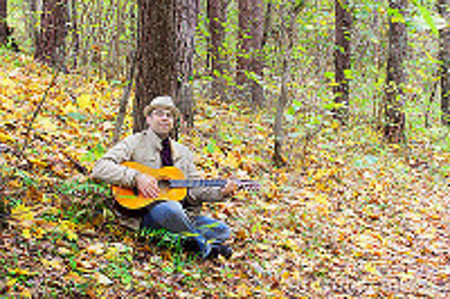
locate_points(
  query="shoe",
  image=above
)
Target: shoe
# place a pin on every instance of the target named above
(220, 249)
(198, 246)
(226, 251)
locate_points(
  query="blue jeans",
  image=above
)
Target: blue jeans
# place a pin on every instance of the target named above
(171, 216)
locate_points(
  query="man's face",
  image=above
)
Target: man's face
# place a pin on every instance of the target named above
(161, 121)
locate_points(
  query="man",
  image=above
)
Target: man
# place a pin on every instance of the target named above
(155, 149)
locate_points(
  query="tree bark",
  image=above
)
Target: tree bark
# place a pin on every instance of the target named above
(30, 10)
(286, 39)
(249, 61)
(75, 34)
(124, 100)
(51, 42)
(156, 68)
(165, 49)
(186, 23)
(343, 23)
(3, 25)
(394, 127)
(217, 16)
(281, 104)
(444, 57)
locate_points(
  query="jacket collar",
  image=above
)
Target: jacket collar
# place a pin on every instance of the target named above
(156, 141)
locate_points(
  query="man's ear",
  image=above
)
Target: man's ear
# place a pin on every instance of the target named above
(147, 120)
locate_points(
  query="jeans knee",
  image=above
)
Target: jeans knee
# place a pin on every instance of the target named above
(167, 210)
(224, 231)
(218, 230)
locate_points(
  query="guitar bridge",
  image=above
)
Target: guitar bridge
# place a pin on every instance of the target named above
(135, 191)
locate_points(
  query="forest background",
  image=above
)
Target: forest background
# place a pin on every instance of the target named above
(338, 108)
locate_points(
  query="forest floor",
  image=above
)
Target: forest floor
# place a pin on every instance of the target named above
(348, 216)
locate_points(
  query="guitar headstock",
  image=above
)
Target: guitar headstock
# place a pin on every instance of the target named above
(248, 185)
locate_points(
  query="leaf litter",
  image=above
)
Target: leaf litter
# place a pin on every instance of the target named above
(342, 218)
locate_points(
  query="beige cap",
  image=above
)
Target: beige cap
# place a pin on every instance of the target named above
(165, 102)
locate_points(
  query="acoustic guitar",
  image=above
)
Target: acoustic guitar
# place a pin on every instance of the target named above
(172, 185)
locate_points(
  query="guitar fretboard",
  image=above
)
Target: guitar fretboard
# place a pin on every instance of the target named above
(196, 183)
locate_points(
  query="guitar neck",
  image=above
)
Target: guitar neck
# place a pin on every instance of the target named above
(196, 183)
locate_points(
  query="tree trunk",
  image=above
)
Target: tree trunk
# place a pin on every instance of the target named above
(3, 25)
(444, 57)
(217, 16)
(157, 61)
(186, 23)
(249, 61)
(75, 34)
(124, 100)
(397, 53)
(285, 43)
(267, 23)
(165, 48)
(279, 117)
(343, 21)
(50, 46)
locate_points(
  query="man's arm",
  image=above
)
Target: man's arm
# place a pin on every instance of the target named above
(207, 194)
(109, 168)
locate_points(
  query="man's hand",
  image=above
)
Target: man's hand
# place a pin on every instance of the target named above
(147, 185)
(229, 189)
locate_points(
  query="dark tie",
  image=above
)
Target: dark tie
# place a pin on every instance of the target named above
(166, 153)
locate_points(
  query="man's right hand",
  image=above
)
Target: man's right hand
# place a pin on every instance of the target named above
(147, 185)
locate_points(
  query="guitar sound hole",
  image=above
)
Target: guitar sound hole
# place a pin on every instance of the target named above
(135, 191)
(163, 184)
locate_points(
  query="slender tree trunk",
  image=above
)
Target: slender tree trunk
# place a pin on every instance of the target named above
(124, 100)
(281, 104)
(157, 61)
(267, 23)
(286, 40)
(3, 25)
(444, 56)
(257, 57)
(52, 39)
(30, 11)
(396, 78)
(342, 56)
(249, 62)
(75, 34)
(217, 17)
(243, 55)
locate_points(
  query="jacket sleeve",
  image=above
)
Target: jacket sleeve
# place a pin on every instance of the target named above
(200, 194)
(109, 168)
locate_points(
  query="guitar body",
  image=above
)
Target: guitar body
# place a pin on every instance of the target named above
(130, 200)
(172, 185)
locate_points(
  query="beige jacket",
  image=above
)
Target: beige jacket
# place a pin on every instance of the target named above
(145, 148)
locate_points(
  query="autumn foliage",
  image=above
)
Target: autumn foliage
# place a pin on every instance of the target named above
(346, 217)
